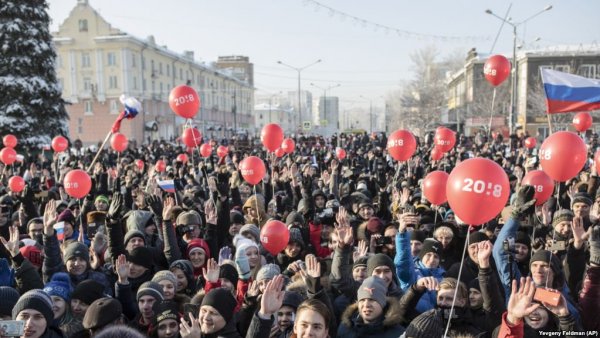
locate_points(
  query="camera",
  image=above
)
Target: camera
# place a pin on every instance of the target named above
(547, 295)
(183, 229)
(558, 246)
(326, 216)
(381, 241)
(509, 245)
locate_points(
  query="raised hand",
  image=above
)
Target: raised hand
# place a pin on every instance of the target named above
(168, 205)
(116, 207)
(345, 236)
(427, 283)
(50, 217)
(404, 196)
(253, 289)
(520, 302)
(362, 250)
(313, 267)
(155, 204)
(212, 184)
(578, 232)
(224, 254)
(211, 212)
(559, 310)
(272, 297)
(406, 220)
(211, 271)
(12, 245)
(483, 254)
(190, 331)
(342, 217)
(122, 269)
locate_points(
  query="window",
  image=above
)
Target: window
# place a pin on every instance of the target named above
(161, 88)
(563, 68)
(135, 86)
(112, 59)
(160, 68)
(83, 27)
(80, 125)
(87, 84)
(114, 109)
(112, 82)
(152, 66)
(85, 59)
(144, 84)
(587, 71)
(87, 107)
(133, 60)
(168, 70)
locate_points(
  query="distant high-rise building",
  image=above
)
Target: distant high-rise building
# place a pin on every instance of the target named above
(238, 67)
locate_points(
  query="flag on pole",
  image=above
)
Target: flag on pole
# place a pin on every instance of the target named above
(60, 230)
(132, 107)
(167, 185)
(570, 93)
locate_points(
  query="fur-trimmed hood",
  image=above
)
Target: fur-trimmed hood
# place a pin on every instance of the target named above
(392, 314)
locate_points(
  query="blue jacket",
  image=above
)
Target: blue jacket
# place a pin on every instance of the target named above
(409, 269)
(509, 230)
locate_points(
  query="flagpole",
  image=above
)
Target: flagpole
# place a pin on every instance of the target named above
(99, 150)
(549, 123)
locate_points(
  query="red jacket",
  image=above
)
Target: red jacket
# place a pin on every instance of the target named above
(510, 331)
(240, 291)
(315, 240)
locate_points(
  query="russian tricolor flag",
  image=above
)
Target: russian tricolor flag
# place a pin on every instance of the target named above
(167, 185)
(570, 93)
(60, 230)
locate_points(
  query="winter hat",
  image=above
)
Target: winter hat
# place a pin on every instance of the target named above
(59, 285)
(380, 260)
(252, 229)
(35, 300)
(165, 275)
(418, 235)
(9, 297)
(268, 271)
(66, 216)
(150, 288)
(236, 217)
(447, 214)
(102, 198)
(581, 197)
(296, 237)
(131, 234)
(88, 291)
(188, 218)
(373, 288)
(474, 284)
(523, 238)
(222, 300)
(77, 249)
(294, 217)
(242, 243)
(102, 312)
(229, 272)
(430, 245)
(197, 244)
(142, 257)
(374, 225)
(97, 217)
(183, 265)
(562, 215)
(138, 219)
(477, 236)
(33, 254)
(426, 325)
(163, 310)
(292, 299)
(360, 262)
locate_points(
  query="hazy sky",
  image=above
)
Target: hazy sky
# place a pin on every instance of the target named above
(365, 59)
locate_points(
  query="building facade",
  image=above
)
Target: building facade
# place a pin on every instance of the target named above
(265, 113)
(327, 117)
(96, 63)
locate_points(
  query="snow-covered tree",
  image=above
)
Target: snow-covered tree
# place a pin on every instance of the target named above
(31, 106)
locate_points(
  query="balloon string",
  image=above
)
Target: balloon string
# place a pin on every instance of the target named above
(457, 284)
(256, 205)
(189, 121)
(492, 112)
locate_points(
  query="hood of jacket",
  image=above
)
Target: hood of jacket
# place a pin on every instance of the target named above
(391, 317)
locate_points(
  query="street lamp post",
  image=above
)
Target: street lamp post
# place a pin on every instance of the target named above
(370, 113)
(515, 66)
(299, 70)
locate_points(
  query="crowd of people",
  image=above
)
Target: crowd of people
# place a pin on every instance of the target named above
(367, 256)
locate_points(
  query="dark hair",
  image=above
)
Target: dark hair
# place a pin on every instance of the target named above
(318, 307)
(119, 331)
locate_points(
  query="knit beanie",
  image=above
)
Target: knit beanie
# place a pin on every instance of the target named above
(474, 284)
(188, 218)
(477, 236)
(33, 255)
(252, 229)
(523, 238)
(360, 262)
(163, 310)
(268, 271)
(196, 244)
(562, 215)
(59, 285)
(9, 297)
(242, 243)
(380, 260)
(292, 299)
(373, 288)
(229, 272)
(35, 300)
(102, 198)
(77, 249)
(296, 237)
(222, 300)
(150, 289)
(142, 257)
(430, 245)
(418, 235)
(131, 234)
(374, 225)
(426, 325)
(165, 275)
(183, 265)
(236, 217)
(294, 217)
(553, 261)
(102, 312)
(88, 291)
(581, 197)
(66, 216)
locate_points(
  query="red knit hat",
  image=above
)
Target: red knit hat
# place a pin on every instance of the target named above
(198, 243)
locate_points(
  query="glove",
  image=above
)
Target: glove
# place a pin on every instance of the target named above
(242, 265)
(594, 243)
(115, 210)
(224, 254)
(524, 203)
(155, 205)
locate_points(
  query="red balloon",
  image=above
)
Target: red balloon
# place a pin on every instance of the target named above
(288, 145)
(182, 158)
(582, 121)
(77, 183)
(543, 185)
(16, 183)
(434, 187)
(530, 142)
(563, 155)
(192, 137)
(222, 151)
(253, 170)
(8, 156)
(401, 145)
(59, 144)
(444, 139)
(274, 236)
(271, 136)
(160, 166)
(477, 190)
(119, 142)
(184, 101)
(496, 69)
(10, 141)
(279, 152)
(436, 154)
(205, 150)
(139, 164)
(340, 153)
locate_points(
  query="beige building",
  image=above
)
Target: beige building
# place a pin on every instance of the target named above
(96, 63)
